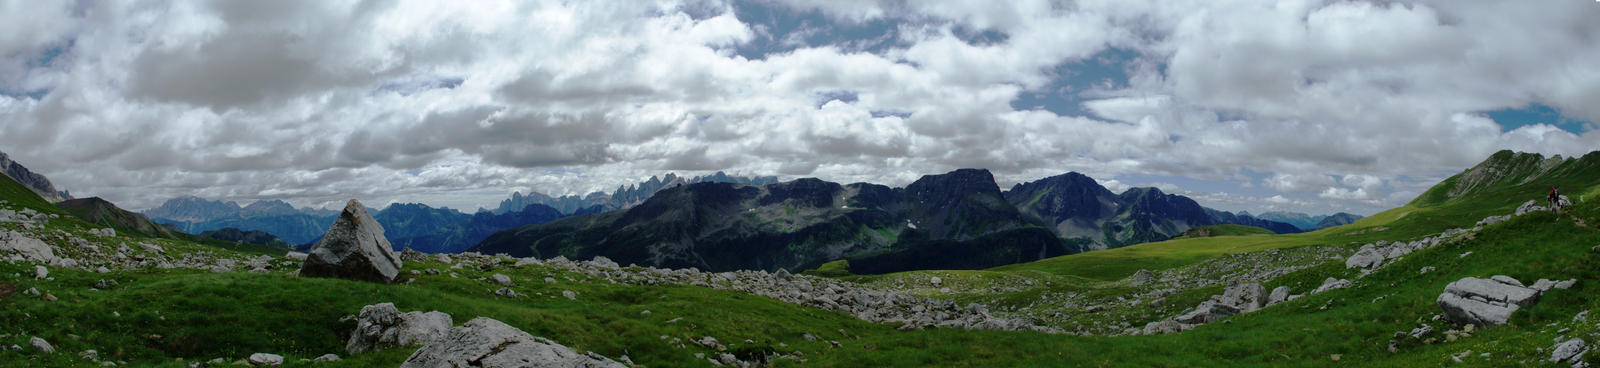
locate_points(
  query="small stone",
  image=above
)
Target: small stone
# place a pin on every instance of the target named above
(569, 294)
(503, 280)
(264, 359)
(43, 346)
(49, 297)
(327, 358)
(936, 281)
(90, 355)
(39, 272)
(549, 280)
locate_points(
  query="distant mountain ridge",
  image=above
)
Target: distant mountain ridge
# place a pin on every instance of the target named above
(946, 220)
(33, 181)
(1075, 206)
(621, 198)
(956, 220)
(1309, 222)
(408, 225)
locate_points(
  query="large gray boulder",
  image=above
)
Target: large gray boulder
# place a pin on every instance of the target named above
(354, 248)
(382, 326)
(1279, 294)
(1245, 297)
(1207, 312)
(1368, 257)
(29, 248)
(1484, 302)
(484, 342)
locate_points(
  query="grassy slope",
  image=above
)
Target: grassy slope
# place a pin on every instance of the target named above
(204, 315)
(1223, 230)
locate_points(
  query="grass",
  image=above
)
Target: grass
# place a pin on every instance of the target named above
(1223, 230)
(202, 315)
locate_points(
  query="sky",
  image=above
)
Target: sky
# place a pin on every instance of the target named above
(1307, 106)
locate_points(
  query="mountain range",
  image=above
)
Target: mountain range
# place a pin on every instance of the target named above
(33, 181)
(412, 225)
(1309, 222)
(956, 220)
(623, 197)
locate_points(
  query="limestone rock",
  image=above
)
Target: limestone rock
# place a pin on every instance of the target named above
(1529, 206)
(264, 359)
(484, 342)
(30, 248)
(43, 346)
(327, 358)
(503, 280)
(1208, 311)
(353, 248)
(40, 273)
(1163, 327)
(382, 326)
(1142, 277)
(295, 256)
(1330, 284)
(1279, 295)
(1246, 297)
(1484, 302)
(1569, 351)
(1367, 257)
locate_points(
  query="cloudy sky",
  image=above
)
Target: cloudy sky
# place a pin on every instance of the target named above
(1312, 106)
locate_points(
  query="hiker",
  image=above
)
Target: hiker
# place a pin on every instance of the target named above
(1555, 198)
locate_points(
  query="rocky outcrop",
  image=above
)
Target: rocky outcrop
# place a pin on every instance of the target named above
(33, 181)
(1236, 299)
(353, 248)
(382, 326)
(484, 342)
(26, 248)
(1570, 351)
(1485, 302)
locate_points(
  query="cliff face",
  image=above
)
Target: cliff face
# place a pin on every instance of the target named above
(34, 181)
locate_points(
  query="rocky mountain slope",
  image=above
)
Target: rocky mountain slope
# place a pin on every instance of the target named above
(796, 225)
(33, 181)
(100, 212)
(256, 237)
(957, 220)
(1074, 206)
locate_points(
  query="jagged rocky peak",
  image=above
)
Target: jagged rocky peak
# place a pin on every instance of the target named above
(34, 181)
(952, 186)
(354, 248)
(811, 192)
(192, 208)
(268, 208)
(1063, 196)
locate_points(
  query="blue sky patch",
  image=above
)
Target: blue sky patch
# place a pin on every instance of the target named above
(842, 96)
(1106, 70)
(1511, 119)
(781, 30)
